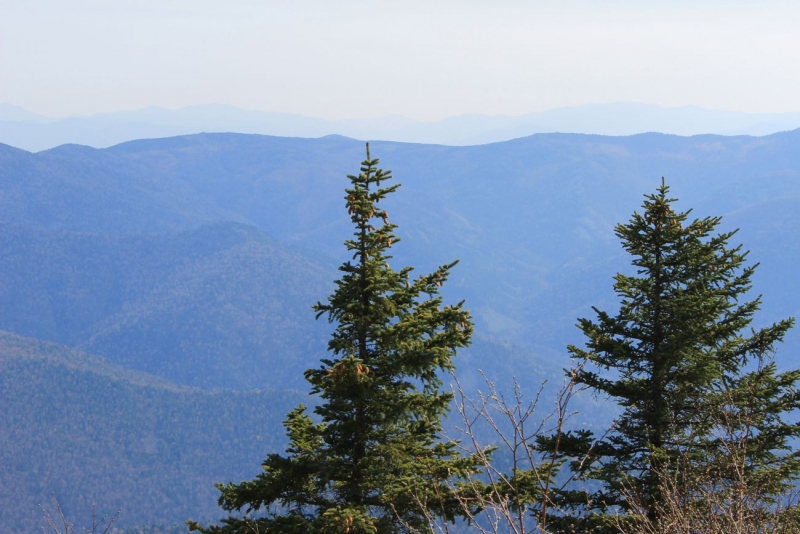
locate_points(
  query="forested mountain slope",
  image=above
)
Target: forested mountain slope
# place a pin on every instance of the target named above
(90, 431)
(221, 306)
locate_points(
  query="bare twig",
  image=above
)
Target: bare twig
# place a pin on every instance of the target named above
(66, 527)
(493, 500)
(712, 493)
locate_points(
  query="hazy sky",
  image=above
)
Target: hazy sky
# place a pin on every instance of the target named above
(423, 59)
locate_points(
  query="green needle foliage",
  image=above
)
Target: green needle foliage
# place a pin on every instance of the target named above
(373, 462)
(693, 380)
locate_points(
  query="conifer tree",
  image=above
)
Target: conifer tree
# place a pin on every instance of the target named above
(673, 357)
(371, 463)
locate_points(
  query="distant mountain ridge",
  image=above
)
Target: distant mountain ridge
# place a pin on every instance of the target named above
(24, 129)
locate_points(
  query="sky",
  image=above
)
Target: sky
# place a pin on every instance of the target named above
(358, 59)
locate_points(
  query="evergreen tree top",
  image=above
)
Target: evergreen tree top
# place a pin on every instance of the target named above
(678, 349)
(371, 456)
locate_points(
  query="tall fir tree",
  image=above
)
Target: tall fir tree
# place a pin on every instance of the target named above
(674, 357)
(372, 463)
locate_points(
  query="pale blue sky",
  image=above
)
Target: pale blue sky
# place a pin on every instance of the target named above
(423, 59)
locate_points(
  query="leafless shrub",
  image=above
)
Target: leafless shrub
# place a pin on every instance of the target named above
(60, 525)
(712, 493)
(710, 508)
(517, 497)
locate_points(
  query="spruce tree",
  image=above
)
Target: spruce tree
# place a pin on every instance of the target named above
(674, 357)
(370, 460)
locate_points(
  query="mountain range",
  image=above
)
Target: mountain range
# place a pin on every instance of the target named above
(156, 294)
(527, 218)
(22, 128)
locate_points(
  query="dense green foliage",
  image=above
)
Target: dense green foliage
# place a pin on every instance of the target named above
(691, 381)
(90, 431)
(372, 463)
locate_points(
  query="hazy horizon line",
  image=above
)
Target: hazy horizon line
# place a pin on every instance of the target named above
(593, 104)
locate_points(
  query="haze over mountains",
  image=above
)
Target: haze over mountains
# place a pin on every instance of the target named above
(189, 264)
(24, 129)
